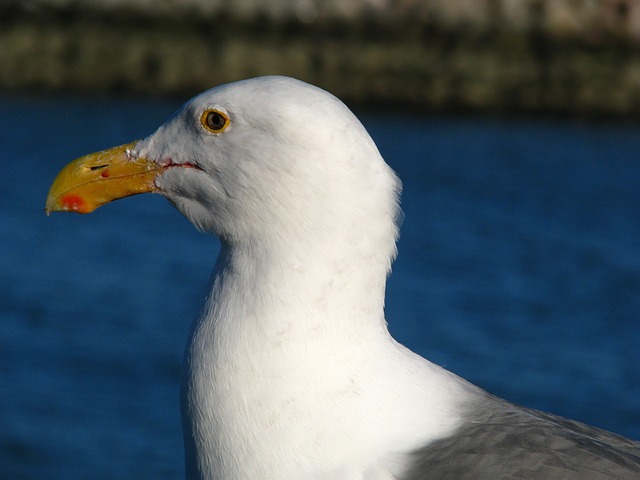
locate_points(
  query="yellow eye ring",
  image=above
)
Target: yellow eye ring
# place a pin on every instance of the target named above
(214, 121)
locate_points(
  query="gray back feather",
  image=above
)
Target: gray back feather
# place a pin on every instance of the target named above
(500, 440)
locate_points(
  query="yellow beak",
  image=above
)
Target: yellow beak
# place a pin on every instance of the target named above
(98, 178)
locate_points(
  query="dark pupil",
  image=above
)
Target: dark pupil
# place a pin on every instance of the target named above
(215, 121)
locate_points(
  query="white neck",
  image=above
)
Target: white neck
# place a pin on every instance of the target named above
(279, 386)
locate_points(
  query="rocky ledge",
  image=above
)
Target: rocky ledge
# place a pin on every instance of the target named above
(492, 57)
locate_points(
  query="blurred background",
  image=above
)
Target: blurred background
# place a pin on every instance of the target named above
(569, 56)
(514, 125)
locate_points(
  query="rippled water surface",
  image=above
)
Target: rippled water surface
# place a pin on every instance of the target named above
(519, 269)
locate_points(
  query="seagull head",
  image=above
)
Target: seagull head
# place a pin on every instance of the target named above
(266, 159)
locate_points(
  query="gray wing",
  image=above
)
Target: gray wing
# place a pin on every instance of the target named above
(500, 440)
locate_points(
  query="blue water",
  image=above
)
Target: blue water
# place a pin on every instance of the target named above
(519, 269)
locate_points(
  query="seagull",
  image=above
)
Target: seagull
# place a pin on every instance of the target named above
(289, 371)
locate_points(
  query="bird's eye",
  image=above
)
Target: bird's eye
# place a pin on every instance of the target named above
(214, 120)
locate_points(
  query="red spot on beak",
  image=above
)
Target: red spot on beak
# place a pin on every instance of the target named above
(105, 173)
(72, 202)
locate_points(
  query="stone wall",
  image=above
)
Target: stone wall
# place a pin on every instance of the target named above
(562, 56)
